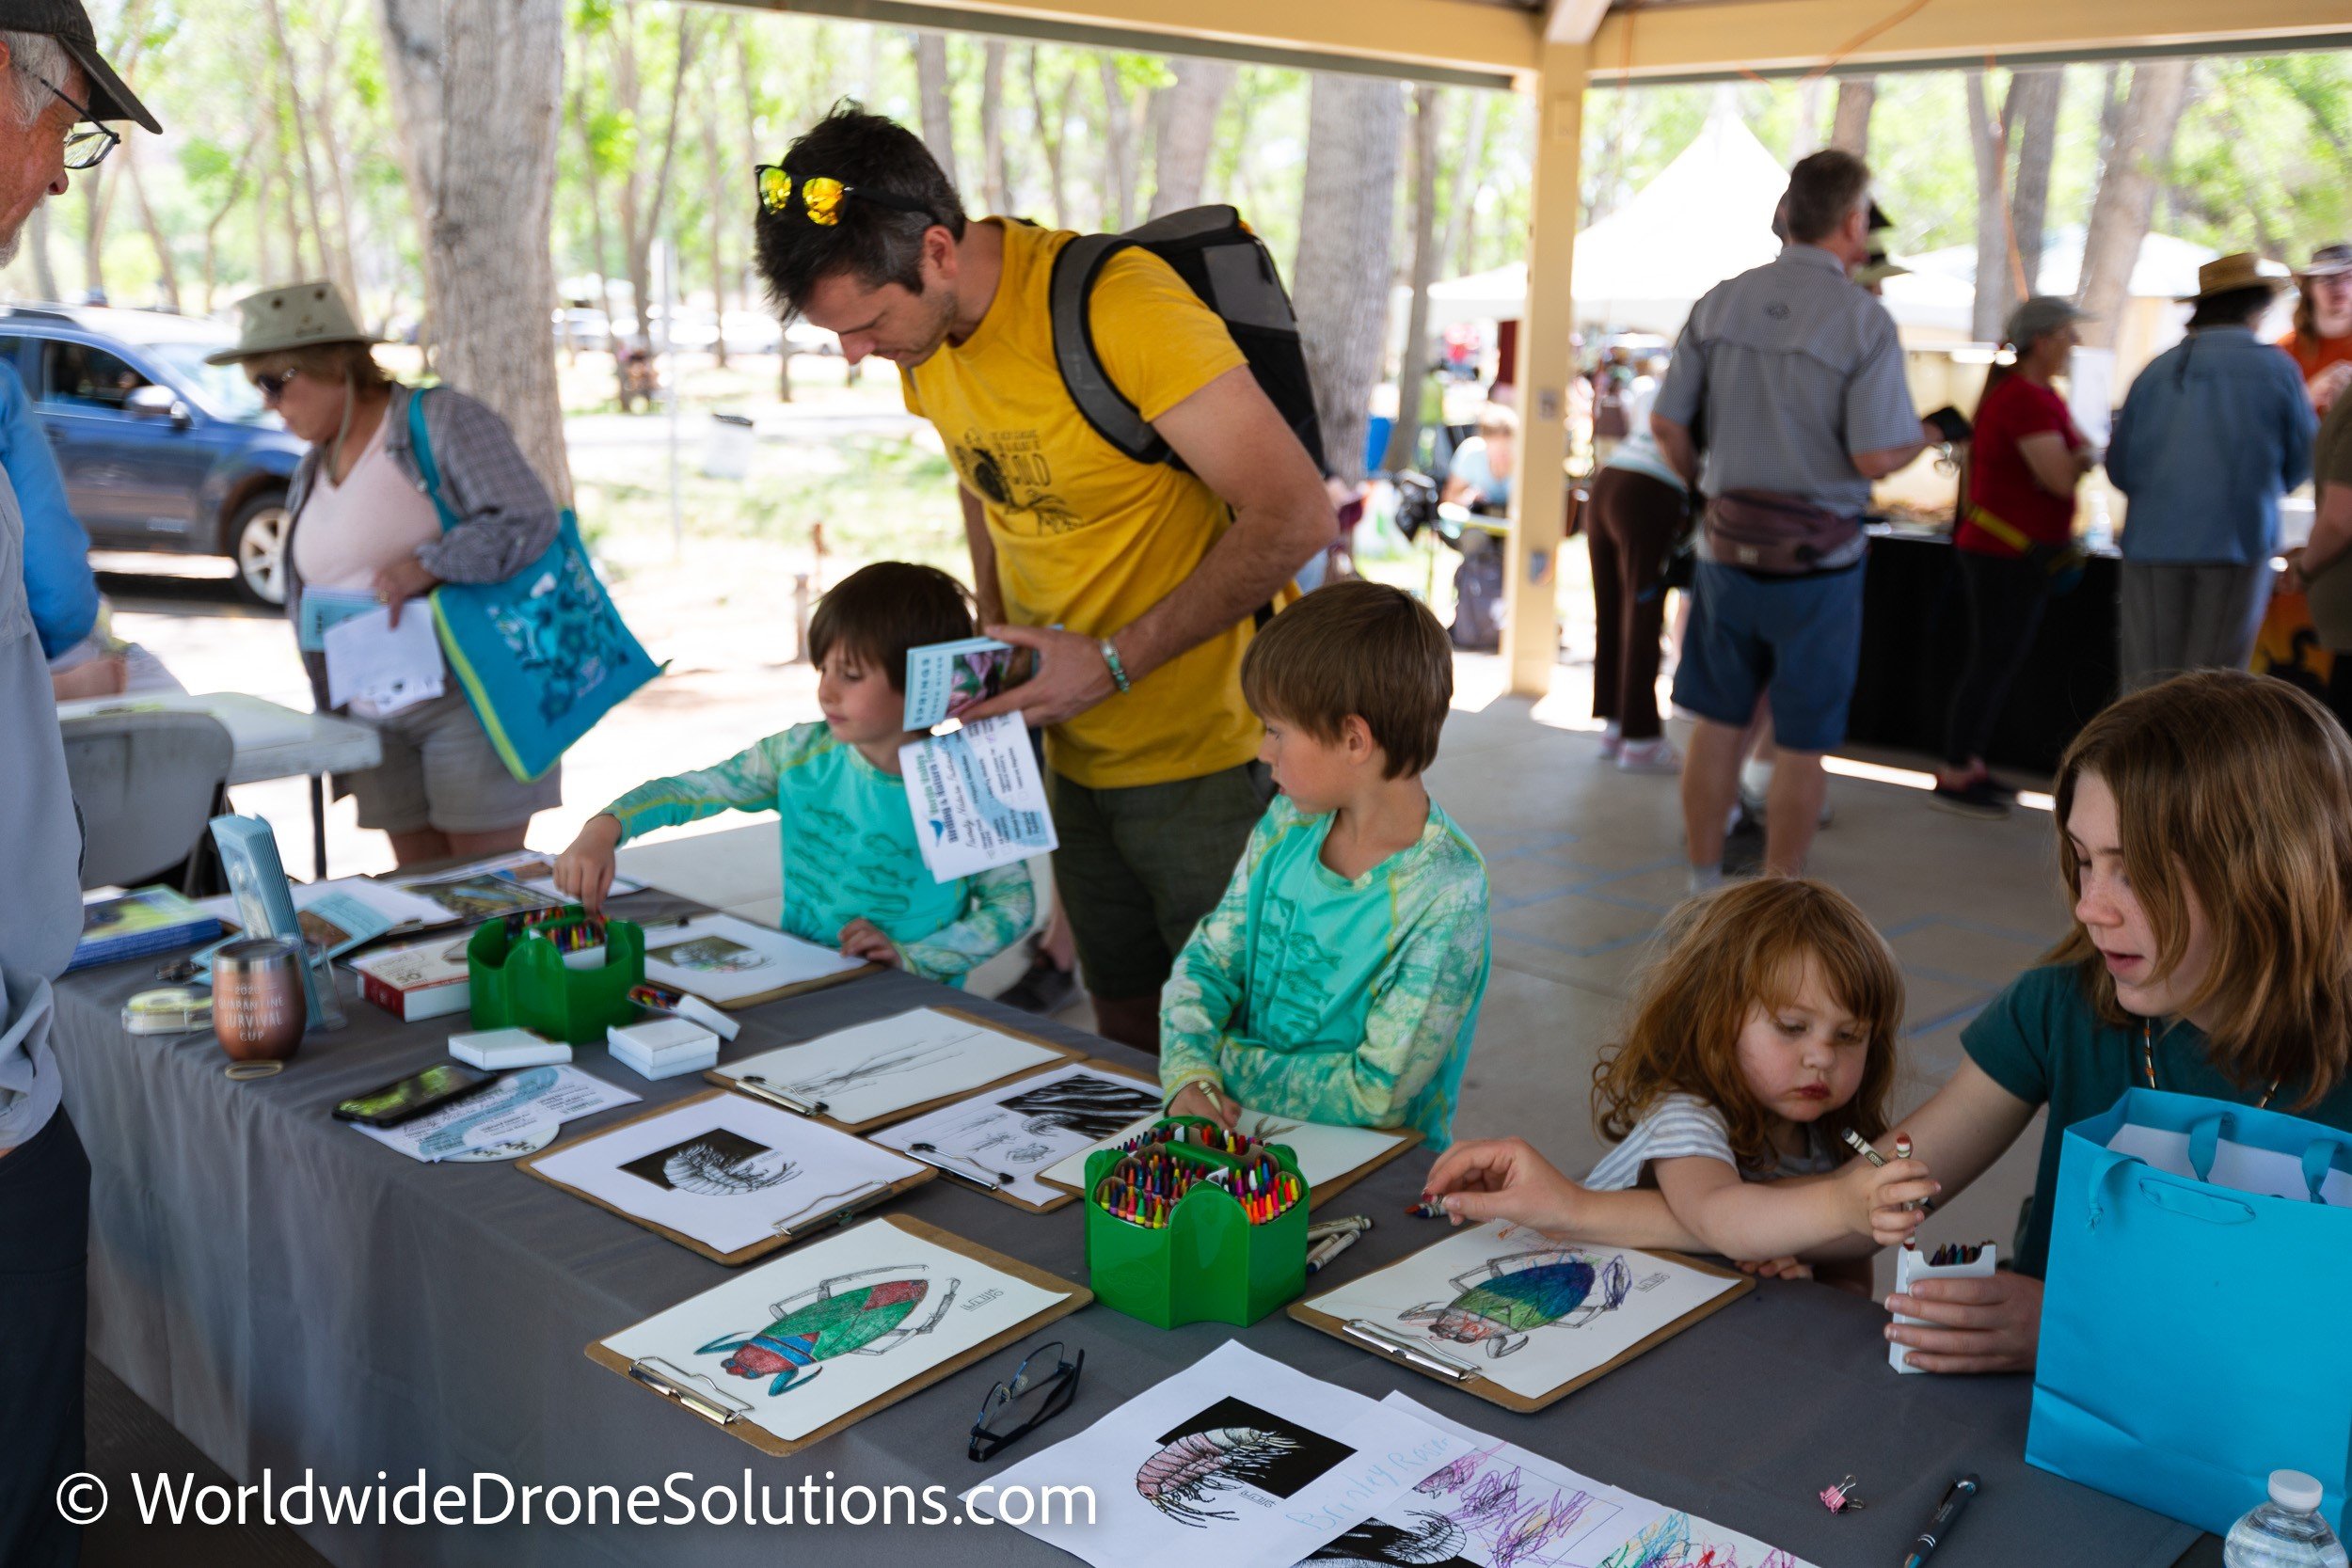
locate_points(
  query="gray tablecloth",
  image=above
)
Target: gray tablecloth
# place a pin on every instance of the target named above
(294, 1296)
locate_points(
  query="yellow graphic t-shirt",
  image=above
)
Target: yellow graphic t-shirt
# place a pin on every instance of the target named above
(1086, 538)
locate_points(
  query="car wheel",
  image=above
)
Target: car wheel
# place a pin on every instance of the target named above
(257, 544)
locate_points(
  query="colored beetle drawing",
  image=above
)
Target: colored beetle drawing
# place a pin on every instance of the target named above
(1506, 1299)
(823, 1322)
(1180, 1479)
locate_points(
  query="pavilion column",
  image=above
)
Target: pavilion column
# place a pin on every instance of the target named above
(1531, 637)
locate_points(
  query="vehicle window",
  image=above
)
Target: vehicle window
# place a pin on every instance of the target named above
(222, 388)
(88, 374)
(11, 352)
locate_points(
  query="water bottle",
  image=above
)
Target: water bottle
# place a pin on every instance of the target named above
(2285, 1532)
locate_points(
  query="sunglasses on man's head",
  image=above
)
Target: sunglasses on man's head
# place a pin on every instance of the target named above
(821, 195)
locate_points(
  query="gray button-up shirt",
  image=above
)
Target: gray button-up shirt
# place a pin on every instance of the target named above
(1796, 369)
(40, 852)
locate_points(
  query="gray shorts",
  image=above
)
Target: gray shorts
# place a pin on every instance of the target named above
(439, 771)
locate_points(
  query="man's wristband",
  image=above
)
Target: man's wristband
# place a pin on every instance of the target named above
(1110, 657)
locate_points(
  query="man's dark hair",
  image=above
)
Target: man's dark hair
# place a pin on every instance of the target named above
(878, 612)
(878, 244)
(2231, 307)
(1823, 191)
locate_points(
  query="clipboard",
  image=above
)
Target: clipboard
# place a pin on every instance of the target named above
(798, 988)
(732, 1415)
(1459, 1370)
(815, 1225)
(1407, 1139)
(1066, 1195)
(767, 1093)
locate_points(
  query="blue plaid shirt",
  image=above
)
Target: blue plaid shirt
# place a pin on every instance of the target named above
(2212, 432)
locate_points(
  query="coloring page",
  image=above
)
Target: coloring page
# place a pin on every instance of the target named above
(1527, 1312)
(517, 1116)
(1324, 1153)
(1499, 1506)
(1008, 1137)
(1238, 1461)
(723, 959)
(874, 1069)
(800, 1341)
(727, 1171)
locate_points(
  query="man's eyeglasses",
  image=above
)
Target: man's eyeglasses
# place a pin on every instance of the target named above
(87, 147)
(1045, 1380)
(272, 384)
(821, 195)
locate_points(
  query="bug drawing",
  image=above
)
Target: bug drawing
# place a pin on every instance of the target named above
(717, 1164)
(1501, 1303)
(1182, 1478)
(1432, 1538)
(1082, 1105)
(889, 1063)
(826, 1321)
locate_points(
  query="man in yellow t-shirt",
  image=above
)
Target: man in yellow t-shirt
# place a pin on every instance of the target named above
(1137, 584)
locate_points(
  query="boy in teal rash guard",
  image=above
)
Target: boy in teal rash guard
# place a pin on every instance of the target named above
(1339, 978)
(854, 872)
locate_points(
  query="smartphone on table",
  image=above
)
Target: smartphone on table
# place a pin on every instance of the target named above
(439, 1084)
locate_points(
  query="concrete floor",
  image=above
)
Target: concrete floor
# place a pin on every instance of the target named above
(1585, 862)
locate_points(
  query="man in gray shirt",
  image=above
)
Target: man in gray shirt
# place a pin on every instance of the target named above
(52, 81)
(1795, 379)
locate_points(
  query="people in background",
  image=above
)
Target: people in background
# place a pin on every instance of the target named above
(1338, 979)
(1797, 377)
(1636, 514)
(2212, 432)
(2321, 339)
(1482, 467)
(1139, 584)
(2016, 528)
(364, 523)
(52, 79)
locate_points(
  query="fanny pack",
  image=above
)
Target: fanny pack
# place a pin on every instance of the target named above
(1761, 530)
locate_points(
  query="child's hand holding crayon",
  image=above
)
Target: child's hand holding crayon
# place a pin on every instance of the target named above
(1203, 1098)
(584, 871)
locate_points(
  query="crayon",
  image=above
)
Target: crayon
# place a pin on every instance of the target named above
(1427, 1209)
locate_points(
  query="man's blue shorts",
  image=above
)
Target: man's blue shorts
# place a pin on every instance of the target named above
(1799, 637)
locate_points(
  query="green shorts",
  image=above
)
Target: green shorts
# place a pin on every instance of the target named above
(1139, 866)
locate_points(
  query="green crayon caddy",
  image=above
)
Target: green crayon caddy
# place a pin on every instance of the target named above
(1208, 1263)
(522, 980)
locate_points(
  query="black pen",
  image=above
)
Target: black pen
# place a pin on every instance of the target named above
(1946, 1516)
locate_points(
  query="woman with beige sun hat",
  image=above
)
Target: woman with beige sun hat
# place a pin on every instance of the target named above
(364, 523)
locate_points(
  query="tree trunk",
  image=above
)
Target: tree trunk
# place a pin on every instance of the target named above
(1412, 368)
(333, 88)
(996, 178)
(1810, 91)
(2033, 117)
(1345, 231)
(717, 168)
(1188, 126)
(592, 175)
(1988, 141)
(1850, 129)
(2127, 188)
(1051, 117)
(641, 211)
(335, 265)
(939, 112)
(98, 187)
(1118, 148)
(44, 271)
(167, 270)
(468, 74)
(1469, 178)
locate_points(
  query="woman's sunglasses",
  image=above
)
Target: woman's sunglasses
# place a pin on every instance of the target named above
(272, 384)
(821, 195)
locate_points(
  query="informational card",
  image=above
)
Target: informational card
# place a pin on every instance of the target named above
(944, 678)
(388, 667)
(517, 1117)
(321, 608)
(978, 799)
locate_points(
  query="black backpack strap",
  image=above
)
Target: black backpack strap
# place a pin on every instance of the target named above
(1104, 406)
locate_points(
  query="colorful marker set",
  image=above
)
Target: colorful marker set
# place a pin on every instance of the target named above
(1955, 1252)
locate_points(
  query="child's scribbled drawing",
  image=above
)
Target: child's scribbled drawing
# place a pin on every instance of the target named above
(1508, 1298)
(817, 1324)
(1678, 1542)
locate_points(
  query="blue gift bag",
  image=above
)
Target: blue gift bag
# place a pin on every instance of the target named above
(2196, 1323)
(542, 656)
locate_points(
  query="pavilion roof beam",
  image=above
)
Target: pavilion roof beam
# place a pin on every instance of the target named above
(1700, 41)
(1452, 43)
(1573, 21)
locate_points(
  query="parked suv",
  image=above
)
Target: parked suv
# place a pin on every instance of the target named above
(160, 450)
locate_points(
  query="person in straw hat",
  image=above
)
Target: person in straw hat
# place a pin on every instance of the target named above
(2321, 339)
(364, 524)
(2214, 431)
